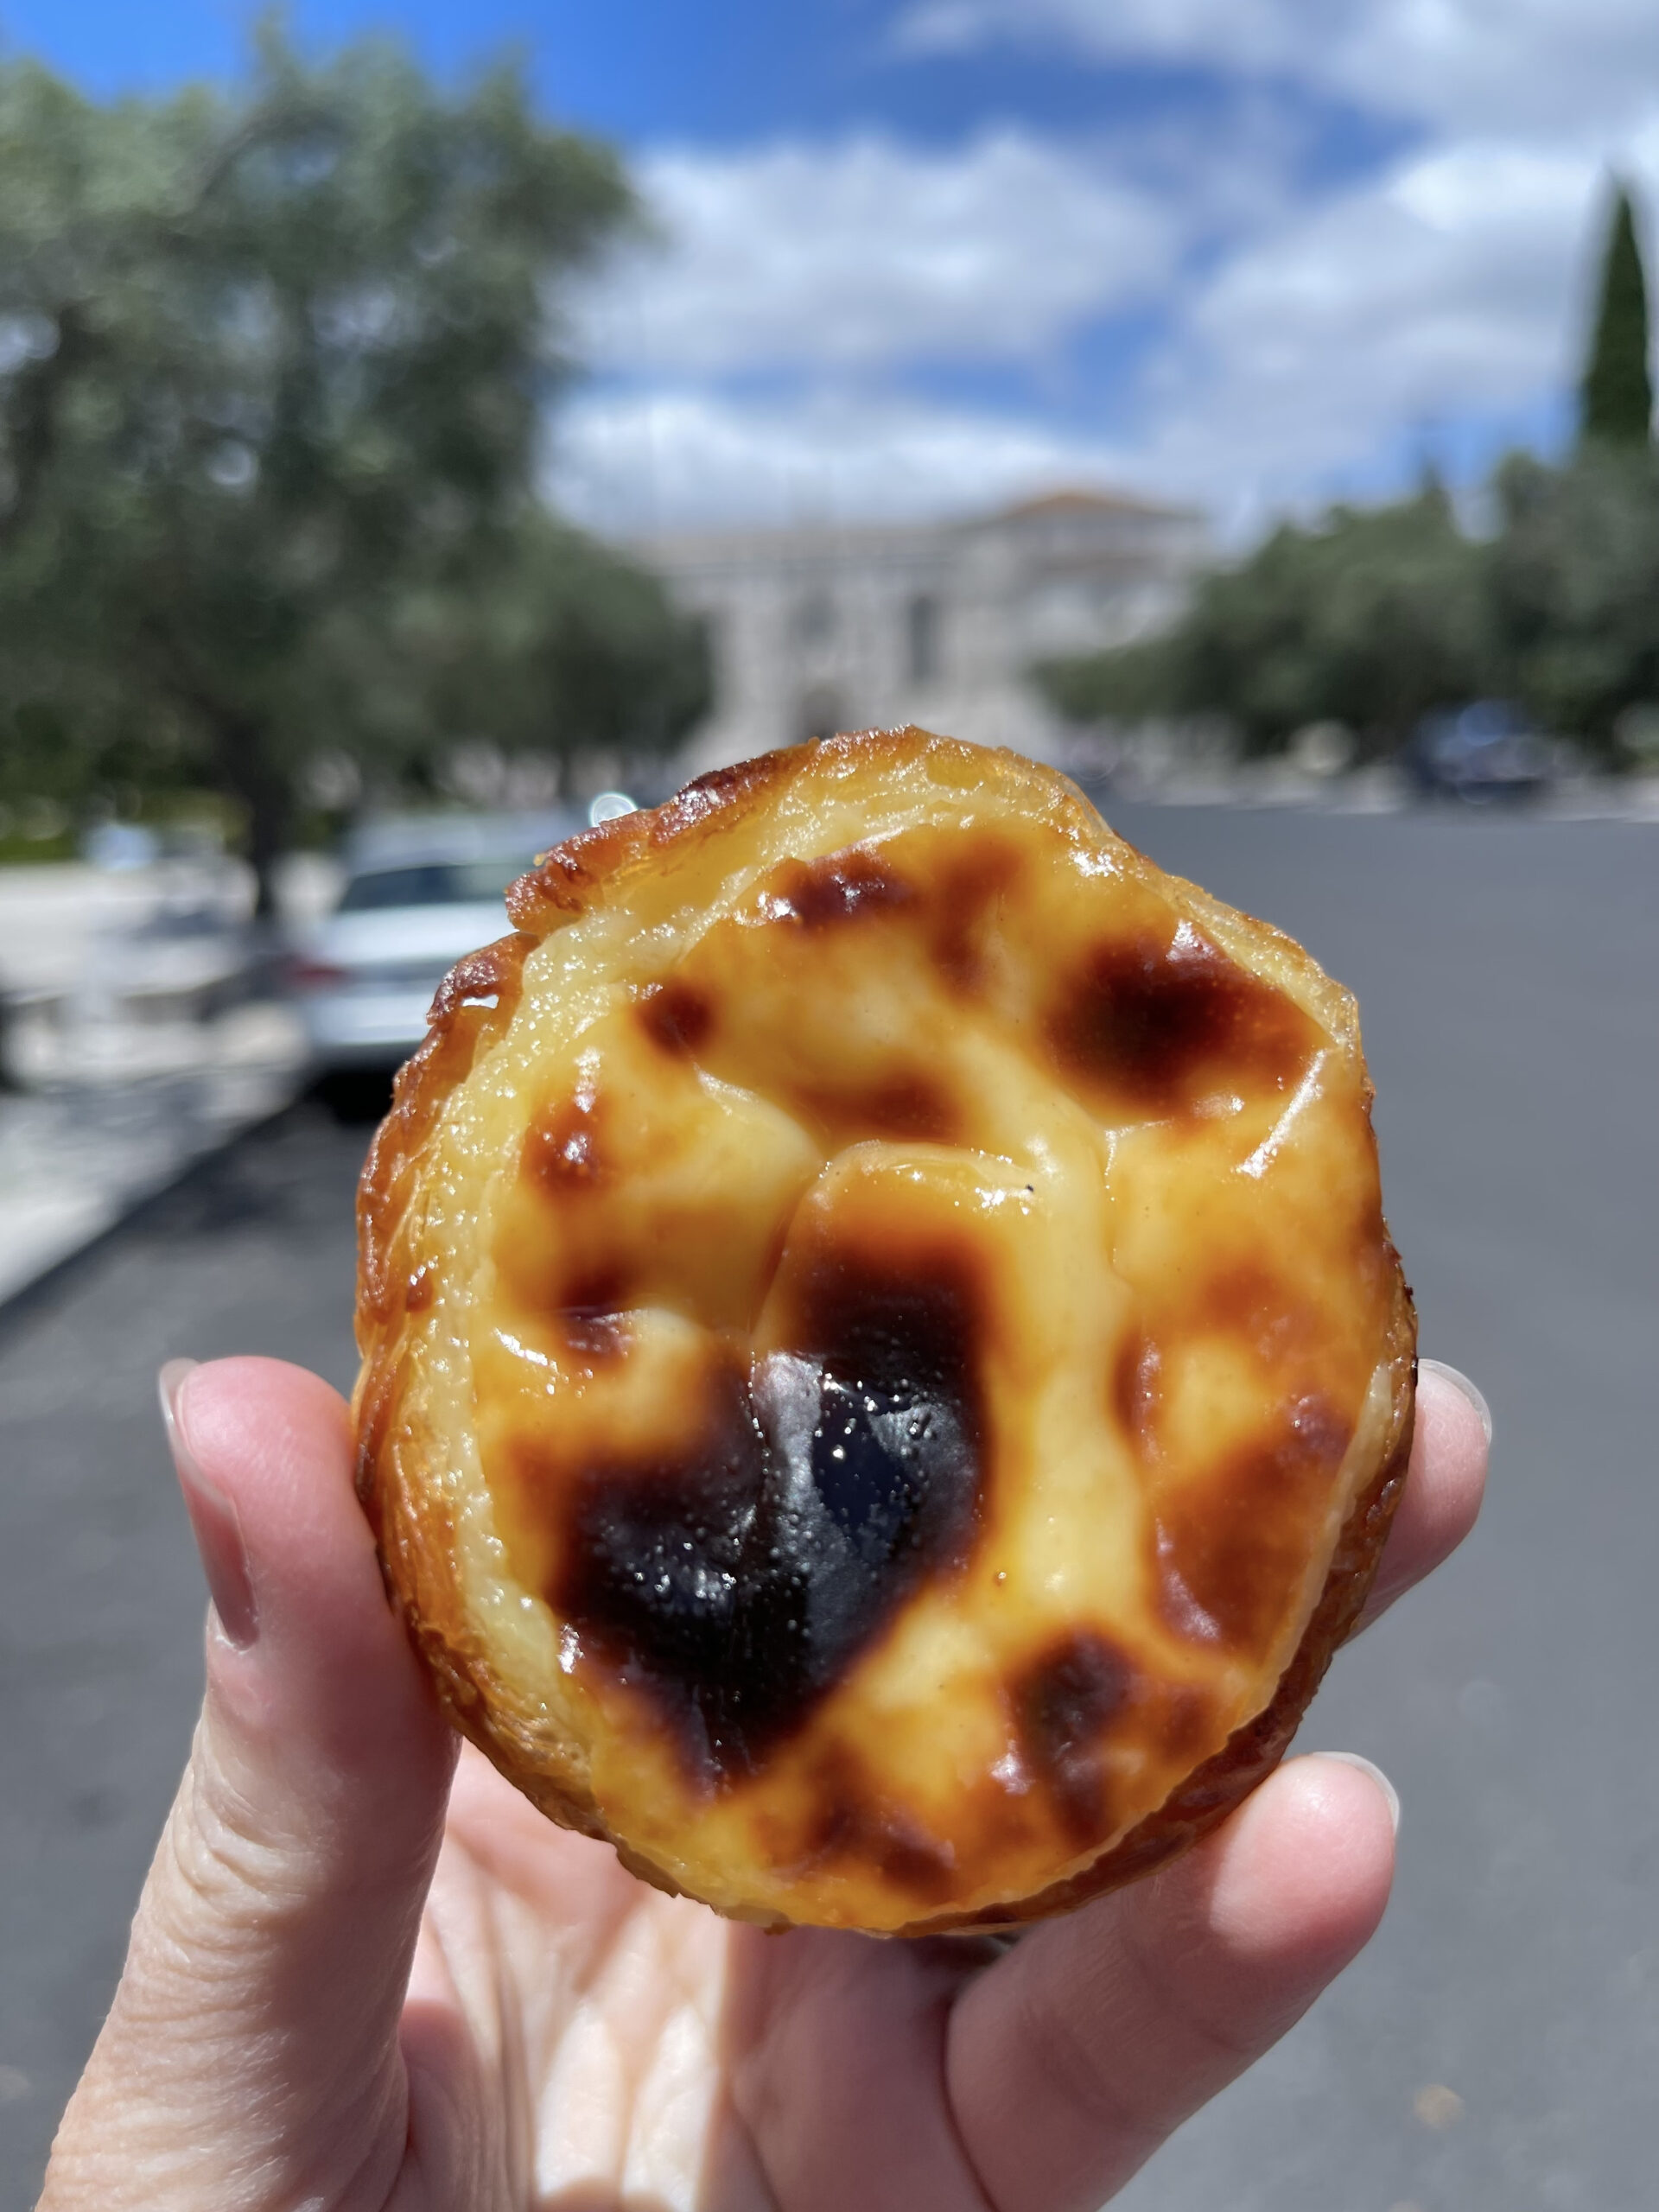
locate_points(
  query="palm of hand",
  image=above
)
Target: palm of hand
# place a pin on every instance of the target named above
(323, 2011)
(575, 2040)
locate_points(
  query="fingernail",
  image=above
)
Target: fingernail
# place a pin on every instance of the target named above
(213, 1516)
(1459, 1381)
(1391, 1796)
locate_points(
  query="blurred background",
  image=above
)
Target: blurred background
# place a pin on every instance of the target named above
(424, 430)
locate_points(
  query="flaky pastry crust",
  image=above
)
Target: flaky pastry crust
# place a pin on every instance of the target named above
(885, 1379)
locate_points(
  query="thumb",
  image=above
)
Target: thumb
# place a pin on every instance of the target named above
(250, 2056)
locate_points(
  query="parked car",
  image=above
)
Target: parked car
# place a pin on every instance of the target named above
(416, 895)
(1482, 753)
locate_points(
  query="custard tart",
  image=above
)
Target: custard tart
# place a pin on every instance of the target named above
(885, 1378)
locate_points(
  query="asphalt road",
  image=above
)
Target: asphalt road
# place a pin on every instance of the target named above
(1507, 977)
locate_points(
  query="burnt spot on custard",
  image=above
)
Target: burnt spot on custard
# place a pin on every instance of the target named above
(966, 894)
(1136, 1375)
(595, 1332)
(853, 1821)
(1246, 1299)
(734, 1584)
(1158, 1022)
(1260, 1310)
(838, 887)
(909, 1105)
(676, 1015)
(563, 1151)
(1063, 1705)
(1230, 1546)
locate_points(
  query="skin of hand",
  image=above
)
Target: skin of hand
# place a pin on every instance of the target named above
(366, 1978)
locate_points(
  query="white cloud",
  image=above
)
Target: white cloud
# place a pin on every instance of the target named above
(1531, 66)
(1445, 292)
(634, 462)
(1442, 290)
(1307, 340)
(1445, 287)
(868, 251)
(1240, 34)
(1562, 65)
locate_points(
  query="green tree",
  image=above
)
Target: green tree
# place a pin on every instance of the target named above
(1369, 618)
(1575, 576)
(1616, 394)
(276, 369)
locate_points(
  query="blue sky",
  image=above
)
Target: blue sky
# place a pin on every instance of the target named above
(921, 255)
(648, 70)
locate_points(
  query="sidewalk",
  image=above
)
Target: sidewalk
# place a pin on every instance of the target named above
(73, 1162)
(139, 1049)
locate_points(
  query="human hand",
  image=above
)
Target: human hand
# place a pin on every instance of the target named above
(339, 2000)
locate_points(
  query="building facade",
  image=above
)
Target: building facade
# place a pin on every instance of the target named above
(813, 630)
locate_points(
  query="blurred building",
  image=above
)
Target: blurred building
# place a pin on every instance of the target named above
(816, 629)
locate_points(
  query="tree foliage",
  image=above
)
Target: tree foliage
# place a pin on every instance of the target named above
(1616, 394)
(276, 369)
(1372, 619)
(1573, 584)
(1369, 618)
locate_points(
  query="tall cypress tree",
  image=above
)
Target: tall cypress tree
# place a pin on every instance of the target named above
(1616, 396)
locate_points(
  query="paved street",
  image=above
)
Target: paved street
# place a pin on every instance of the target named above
(1506, 973)
(100, 1594)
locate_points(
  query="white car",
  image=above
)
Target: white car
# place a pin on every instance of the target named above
(417, 895)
